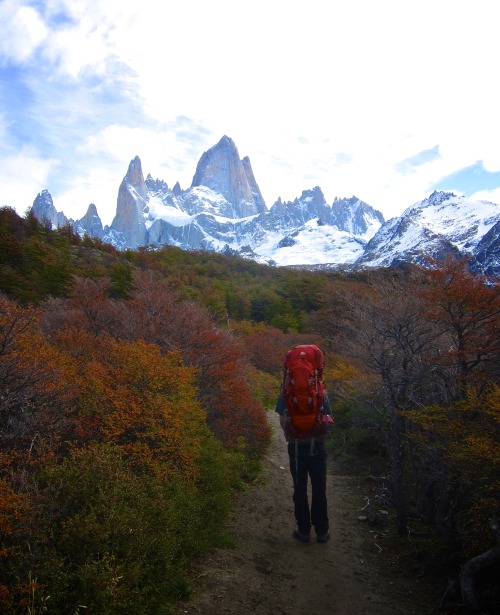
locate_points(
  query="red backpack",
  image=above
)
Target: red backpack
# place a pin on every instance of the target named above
(304, 392)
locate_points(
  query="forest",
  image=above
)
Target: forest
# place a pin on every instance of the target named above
(134, 388)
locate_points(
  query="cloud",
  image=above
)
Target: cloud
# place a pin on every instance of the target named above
(75, 195)
(410, 164)
(167, 148)
(493, 196)
(352, 97)
(469, 180)
(22, 176)
(24, 33)
(341, 158)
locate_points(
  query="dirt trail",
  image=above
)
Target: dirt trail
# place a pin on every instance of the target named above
(271, 573)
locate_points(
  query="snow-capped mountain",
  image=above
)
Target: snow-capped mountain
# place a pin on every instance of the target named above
(487, 254)
(224, 211)
(440, 225)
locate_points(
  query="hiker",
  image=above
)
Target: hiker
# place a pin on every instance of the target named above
(306, 436)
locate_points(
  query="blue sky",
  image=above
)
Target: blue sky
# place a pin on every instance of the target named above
(383, 100)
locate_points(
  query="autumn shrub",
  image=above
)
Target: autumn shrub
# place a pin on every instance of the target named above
(34, 392)
(131, 485)
(156, 314)
(33, 382)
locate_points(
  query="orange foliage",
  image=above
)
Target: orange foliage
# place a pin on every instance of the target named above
(467, 308)
(34, 382)
(13, 508)
(155, 313)
(216, 355)
(344, 380)
(132, 395)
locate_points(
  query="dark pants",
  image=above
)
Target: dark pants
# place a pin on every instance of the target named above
(312, 464)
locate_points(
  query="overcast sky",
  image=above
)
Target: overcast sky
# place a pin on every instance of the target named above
(382, 99)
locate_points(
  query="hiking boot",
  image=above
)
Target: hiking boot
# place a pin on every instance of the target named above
(300, 536)
(323, 537)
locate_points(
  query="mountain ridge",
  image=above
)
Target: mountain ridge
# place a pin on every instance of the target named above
(223, 210)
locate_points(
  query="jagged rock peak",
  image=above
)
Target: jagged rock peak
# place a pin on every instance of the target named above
(91, 222)
(315, 194)
(44, 210)
(259, 201)
(310, 205)
(438, 197)
(134, 173)
(309, 199)
(353, 205)
(131, 202)
(355, 216)
(43, 207)
(135, 178)
(155, 185)
(43, 198)
(92, 210)
(353, 200)
(221, 170)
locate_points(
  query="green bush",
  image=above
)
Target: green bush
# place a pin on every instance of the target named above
(111, 541)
